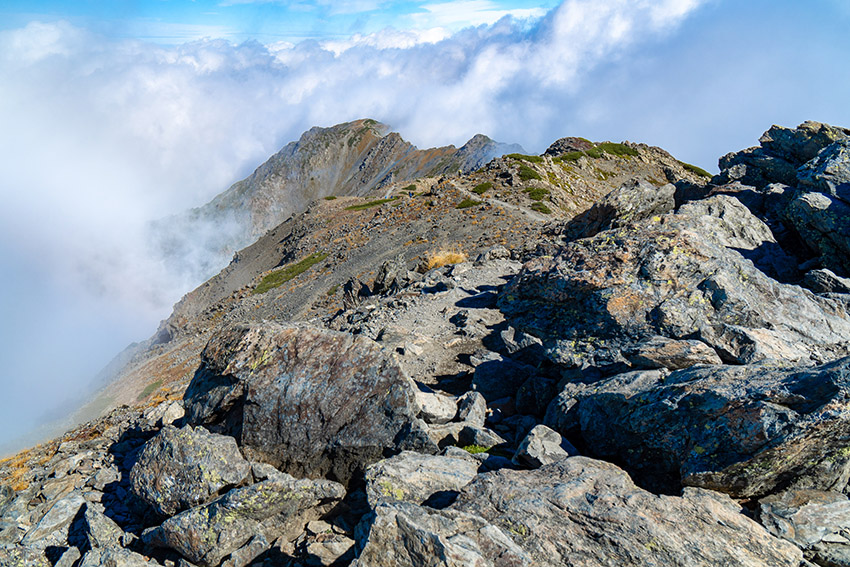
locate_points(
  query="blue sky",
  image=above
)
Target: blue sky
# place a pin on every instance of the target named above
(177, 21)
(118, 113)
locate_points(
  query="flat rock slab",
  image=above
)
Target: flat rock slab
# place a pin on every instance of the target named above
(182, 468)
(574, 512)
(413, 477)
(748, 431)
(207, 534)
(309, 401)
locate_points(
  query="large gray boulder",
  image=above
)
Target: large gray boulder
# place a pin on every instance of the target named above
(182, 468)
(748, 431)
(829, 172)
(413, 477)
(672, 276)
(823, 223)
(577, 511)
(309, 401)
(274, 507)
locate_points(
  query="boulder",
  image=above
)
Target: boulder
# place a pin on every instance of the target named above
(806, 517)
(823, 222)
(413, 477)
(748, 431)
(19, 556)
(825, 281)
(52, 529)
(562, 146)
(829, 172)
(182, 468)
(574, 512)
(495, 379)
(661, 352)
(633, 201)
(309, 401)
(799, 145)
(670, 276)
(278, 506)
(543, 446)
(115, 557)
(435, 408)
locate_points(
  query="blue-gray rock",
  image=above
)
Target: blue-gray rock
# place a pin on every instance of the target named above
(543, 446)
(182, 468)
(309, 401)
(748, 431)
(829, 172)
(413, 477)
(823, 222)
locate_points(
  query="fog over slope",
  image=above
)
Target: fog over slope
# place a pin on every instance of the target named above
(101, 137)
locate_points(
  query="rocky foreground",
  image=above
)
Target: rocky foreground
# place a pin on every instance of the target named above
(662, 378)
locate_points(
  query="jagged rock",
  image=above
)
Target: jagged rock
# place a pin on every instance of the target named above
(413, 477)
(311, 402)
(165, 413)
(543, 446)
(562, 146)
(668, 277)
(748, 431)
(799, 145)
(182, 468)
(333, 549)
(500, 378)
(479, 437)
(472, 409)
(491, 254)
(354, 292)
(756, 167)
(661, 352)
(435, 408)
(101, 532)
(115, 557)
(806, 517)
(633, 201)
(69, 558)
(23, 557)
(280, 506)
(823, 222)
(52, 528)
(829, 172)
(575, 512)
(824, 281)
(391, 276)
(248, 552)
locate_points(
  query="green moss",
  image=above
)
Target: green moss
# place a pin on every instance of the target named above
(481, 188)
(283, 275)
(370, 204)
(411, 187)
(694, 169)
(466, 203)
(621, 150)
(527, 174)
(541, 208)
(149, 389)
(569, 157)
(475, 449)
(330, 197)
(537, 193)
(523, 157)
(333, 290)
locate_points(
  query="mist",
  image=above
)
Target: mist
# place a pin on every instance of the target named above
(101, 137)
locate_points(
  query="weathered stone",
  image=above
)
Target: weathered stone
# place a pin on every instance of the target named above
(805, 517)
(23, 557)
(391, 276)
(829, 172)
(633, 201)
(472, 409)
(354, 292)
(543, 446)
(309, 401)
(575, 512)
(562, 146)
(247, 553)
(165, 413)
(500, 378)
(334, 549)
(102, 532)
(744, 430)
(823, 223)
(799, 145)
(52, 529)
(413, 477)
(435, 408)
(534, 395)
(69, 558)
(661, 352)
(824, 281)
(207, 534)
(668, 277)
(479, 437)
(115, 557)
(183, 468)
(756, 167)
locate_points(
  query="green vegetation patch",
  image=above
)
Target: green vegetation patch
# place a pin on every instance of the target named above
(283, 275)
(537, 193)
(466, 203)
(697, 170)
(481, 188)
(149, 389)
(475, 449)
(330, 197)
(541, 208)
(523, 157)
(527, 174)
(370, 204)
(411, 187)
(568, 157)
(333, 290)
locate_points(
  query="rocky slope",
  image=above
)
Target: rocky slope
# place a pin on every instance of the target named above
(552, 360)
(353, 158)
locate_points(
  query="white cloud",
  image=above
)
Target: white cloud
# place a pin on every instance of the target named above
(465, 13)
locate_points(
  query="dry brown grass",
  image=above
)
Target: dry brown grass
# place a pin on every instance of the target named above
(17, 466)
(444, 257)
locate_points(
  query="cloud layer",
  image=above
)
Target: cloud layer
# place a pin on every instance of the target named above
(101, 136)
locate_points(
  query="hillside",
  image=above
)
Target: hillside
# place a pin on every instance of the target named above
(597, 356)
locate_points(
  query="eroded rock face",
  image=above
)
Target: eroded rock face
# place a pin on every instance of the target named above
(278, 506)
(183, 468)
(672, 276)
(574, 512)
(413, 477)
(745, 430)
(311, 402)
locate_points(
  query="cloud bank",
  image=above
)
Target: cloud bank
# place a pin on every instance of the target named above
(101, 136)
